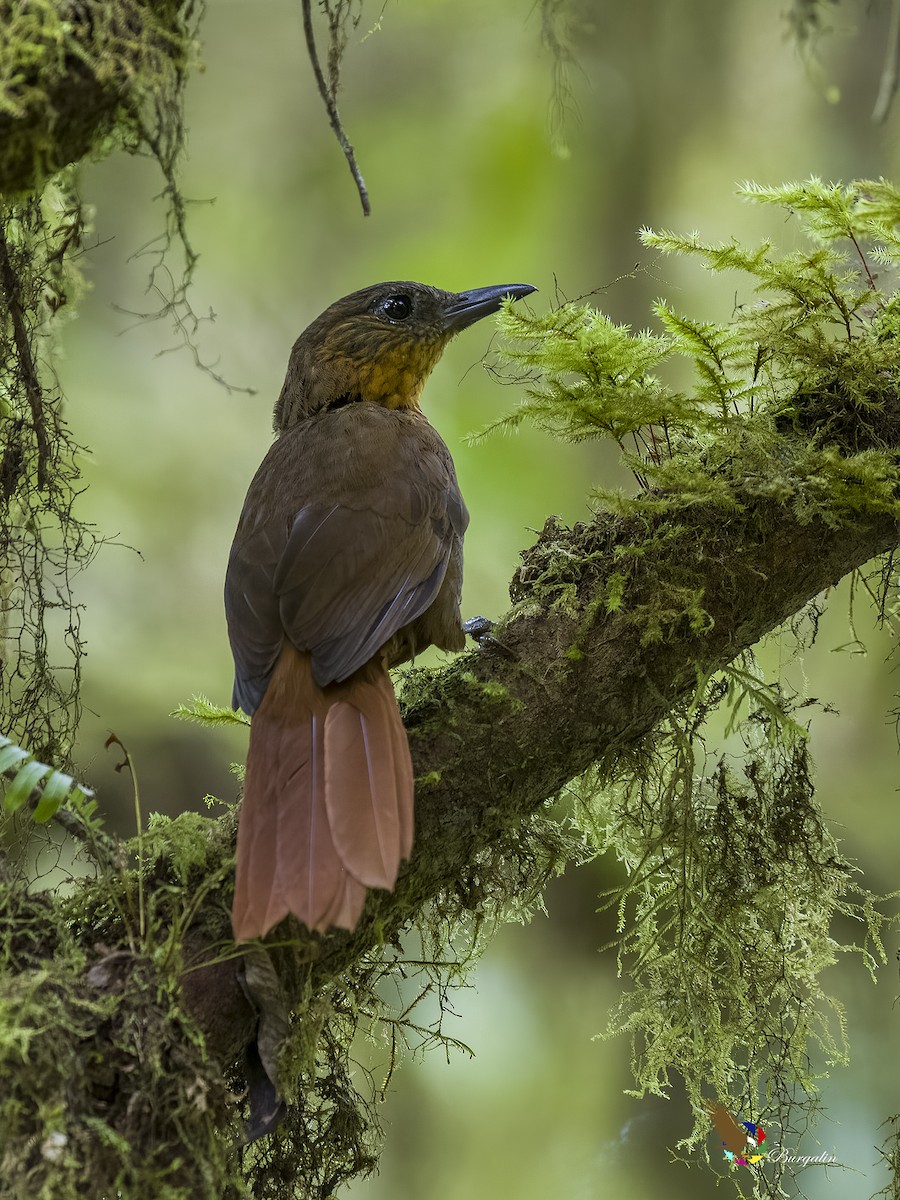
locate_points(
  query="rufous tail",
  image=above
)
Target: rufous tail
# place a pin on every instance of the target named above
(328, 799)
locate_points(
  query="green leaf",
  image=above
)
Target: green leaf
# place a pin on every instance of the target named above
(27, 773)
(26, 780)
(56, 790)
(11, 754)
(202, 710)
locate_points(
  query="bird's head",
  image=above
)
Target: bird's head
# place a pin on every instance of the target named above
(379, 345)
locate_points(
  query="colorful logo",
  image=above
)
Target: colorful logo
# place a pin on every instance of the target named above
(742, 1140)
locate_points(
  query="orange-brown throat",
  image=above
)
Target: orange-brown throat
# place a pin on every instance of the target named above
(395, 377)
(379, 344)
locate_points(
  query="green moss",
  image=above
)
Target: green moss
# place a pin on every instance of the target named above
(489, 688)
(71, 76)
(186, 844)
(735, 882)
(79, 1122)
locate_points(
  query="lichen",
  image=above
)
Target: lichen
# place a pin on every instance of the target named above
(74, 79)
(735, 881)
(792, 414)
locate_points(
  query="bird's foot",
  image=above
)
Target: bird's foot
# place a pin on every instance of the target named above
(478, 628)
(267, 1109)
(481, 630)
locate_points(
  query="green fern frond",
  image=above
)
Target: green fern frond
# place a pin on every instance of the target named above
(832, 211)
(727, 256)
(202, 710)
(597, 378)
(25, 775)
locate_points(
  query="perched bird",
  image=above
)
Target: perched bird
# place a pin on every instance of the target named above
(346, 561)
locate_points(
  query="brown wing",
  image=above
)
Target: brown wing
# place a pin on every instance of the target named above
(345, 538)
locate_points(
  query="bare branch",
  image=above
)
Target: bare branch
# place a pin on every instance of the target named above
(328, 100)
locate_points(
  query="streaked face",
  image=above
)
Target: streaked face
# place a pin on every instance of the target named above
(380, 344)
(394, 333)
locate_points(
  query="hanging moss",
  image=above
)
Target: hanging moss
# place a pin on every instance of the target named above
(735, 880)
(74, 74)
(75, 78)
(727, 921)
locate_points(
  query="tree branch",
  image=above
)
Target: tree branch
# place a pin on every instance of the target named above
(506, 754)
(334, 118)
(502, 729)
(565, 685)
(74, 73)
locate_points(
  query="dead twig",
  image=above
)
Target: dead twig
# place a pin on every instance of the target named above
(328, 99)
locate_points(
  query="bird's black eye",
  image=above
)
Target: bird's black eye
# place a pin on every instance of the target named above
(396, 308)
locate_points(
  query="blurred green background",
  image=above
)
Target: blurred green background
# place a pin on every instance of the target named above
(449, 105)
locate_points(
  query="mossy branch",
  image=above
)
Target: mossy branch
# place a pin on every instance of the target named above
(502, 729)
(494, 735)
(72, 75)
(775, 477)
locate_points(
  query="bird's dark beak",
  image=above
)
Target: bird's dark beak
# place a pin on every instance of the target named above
(468, 307)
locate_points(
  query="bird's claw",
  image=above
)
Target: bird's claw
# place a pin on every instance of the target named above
(481, 630)
(478, 628)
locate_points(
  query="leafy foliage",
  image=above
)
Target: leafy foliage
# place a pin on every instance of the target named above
(735, 881)
(27, 775)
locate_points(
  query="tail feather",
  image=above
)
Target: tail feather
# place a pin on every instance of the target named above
(362, 753)
(328, 799)
(348, 906)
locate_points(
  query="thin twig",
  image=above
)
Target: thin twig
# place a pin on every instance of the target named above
(862, 259)
(128, 762)
(331, 108)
